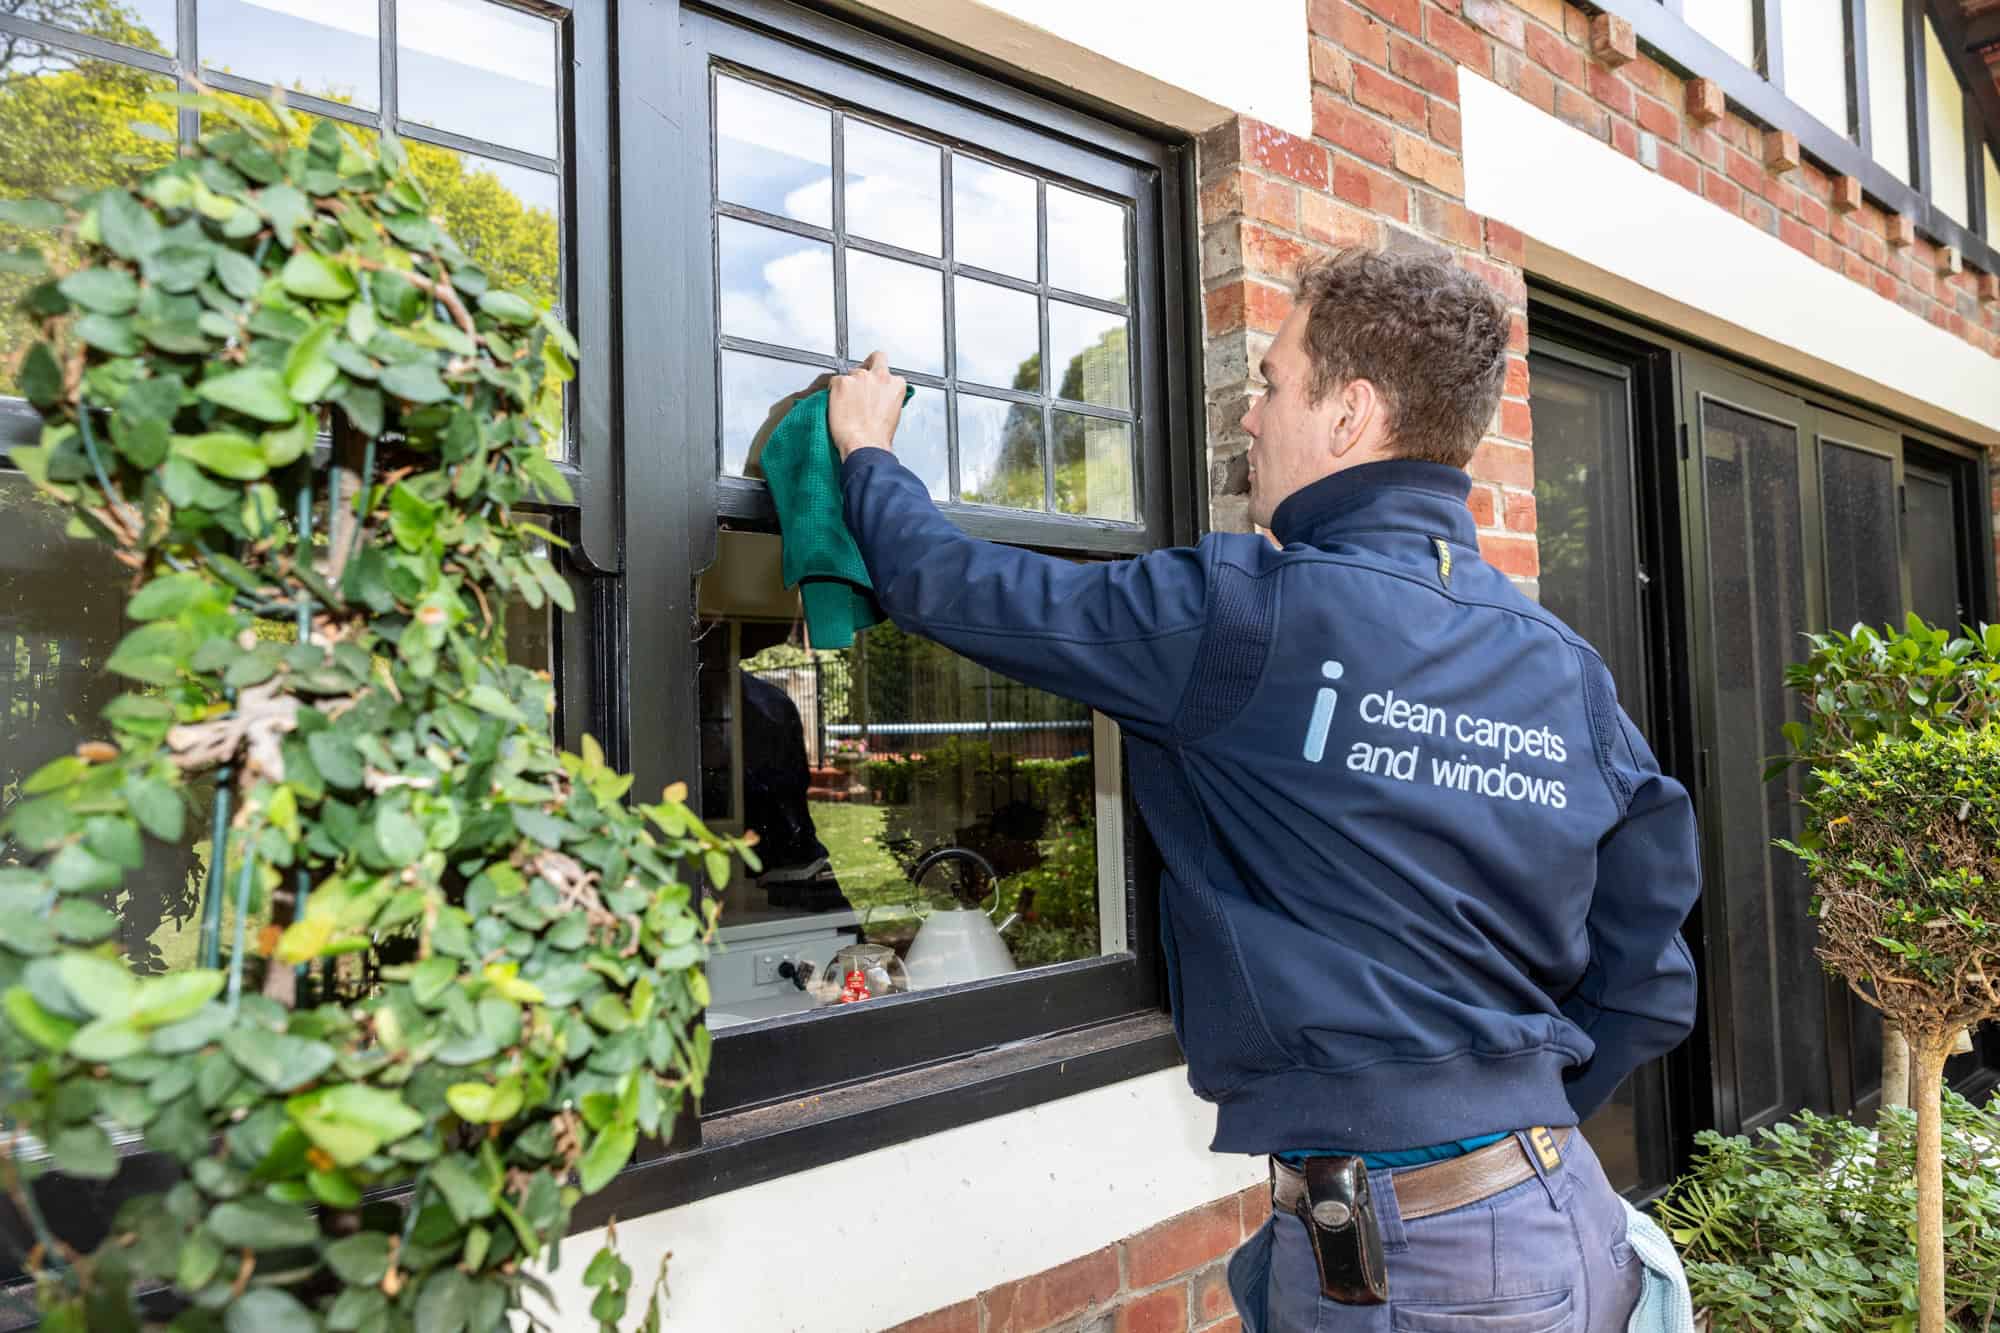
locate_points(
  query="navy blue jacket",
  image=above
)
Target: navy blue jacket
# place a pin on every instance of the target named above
(1424, 879)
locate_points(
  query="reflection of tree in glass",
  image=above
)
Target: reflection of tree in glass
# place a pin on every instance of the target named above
(1562, 507)
(65, 123)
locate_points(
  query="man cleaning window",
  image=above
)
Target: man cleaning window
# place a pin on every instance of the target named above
(1424, 879)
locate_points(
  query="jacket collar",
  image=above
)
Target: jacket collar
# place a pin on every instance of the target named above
(1400, 494)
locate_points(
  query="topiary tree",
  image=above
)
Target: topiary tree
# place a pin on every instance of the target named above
(1904, 848)
(448, 976)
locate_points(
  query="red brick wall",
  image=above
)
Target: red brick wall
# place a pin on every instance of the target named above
(1168, 1279)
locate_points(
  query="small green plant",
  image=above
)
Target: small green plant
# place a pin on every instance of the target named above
(1904, 851)
(399, 1148)
(1805, 1227)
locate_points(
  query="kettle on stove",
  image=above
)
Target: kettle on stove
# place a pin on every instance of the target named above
(959, 943)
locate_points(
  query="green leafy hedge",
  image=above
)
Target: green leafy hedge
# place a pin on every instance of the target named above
(403, 1151)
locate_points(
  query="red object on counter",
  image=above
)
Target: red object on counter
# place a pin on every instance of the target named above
(855, 987)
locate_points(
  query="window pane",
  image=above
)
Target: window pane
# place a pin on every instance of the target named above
(897, 308)
(1816, 60)
(1093, 462)
(923, 442)
(1947, 125)
(756, 393)
(64, 122)
(1086, 245)
(1000, 453)
(893, 190)
(993, 218)
(1727, 23)
(1888, 88)
(324, 47)
(505, 216)
(773, 152)
(1089, 356)
(1992, 198)
(1933, 548)
(998, 339)
(146, 24)
(479, 69)
(776, 287)
(1864, 580)
(61, 613)
(852, 767)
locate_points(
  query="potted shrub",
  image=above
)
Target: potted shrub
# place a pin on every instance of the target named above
(1904, 849)
(401, 1154)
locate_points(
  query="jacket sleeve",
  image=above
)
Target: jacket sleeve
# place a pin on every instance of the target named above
(1636, 999)
(1119, 636)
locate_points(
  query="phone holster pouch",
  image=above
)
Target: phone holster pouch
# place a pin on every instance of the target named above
(1339, 1214)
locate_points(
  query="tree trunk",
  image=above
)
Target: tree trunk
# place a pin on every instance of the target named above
(1895, 1065)
(1928, 1055)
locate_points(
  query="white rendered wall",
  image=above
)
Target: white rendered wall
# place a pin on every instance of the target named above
(862, 1245)
(1186, 63)
(1598, 221)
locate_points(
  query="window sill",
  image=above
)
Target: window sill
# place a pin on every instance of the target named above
(747, 1147)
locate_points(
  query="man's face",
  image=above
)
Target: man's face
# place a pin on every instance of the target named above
(1292, 437)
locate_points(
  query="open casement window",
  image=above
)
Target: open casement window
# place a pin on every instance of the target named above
(950, 861)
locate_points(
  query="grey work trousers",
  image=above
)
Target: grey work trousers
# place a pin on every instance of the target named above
(1546, 1256)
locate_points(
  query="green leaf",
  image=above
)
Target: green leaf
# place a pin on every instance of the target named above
(177, 268)
(253, 1223)
(175, 996)
(23, 261)
(224, 453)
(37, 1024)
(361, 1259)
(417, 382)
(412, 519)
(83, 921)
(269, 1310)
(315, 277)
(107, 1039)
(309, 372)
(606, 1156)
(169, 595)
(507, 308)
(108, 334)
(336, 759)
(100, 986)
(152, 653)
(127, 225)
(40, 378)
(34, 214)
(157, 807)
(191, 1034)
(115, 839)
(350, 1121)
(58, 773)
(84, 1151)
(240, 276)
(255, 392)
(466, 1197)
(108, 291)
(398, 833)
(429, 979)
(445, 1303)
(280, 1060)
(543, 828)
(335, 1189)
(288, 444)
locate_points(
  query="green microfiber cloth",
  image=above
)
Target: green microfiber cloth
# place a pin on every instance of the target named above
(802, 468)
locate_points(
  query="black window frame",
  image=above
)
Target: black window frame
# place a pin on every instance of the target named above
(1757, 93)
(676, 502)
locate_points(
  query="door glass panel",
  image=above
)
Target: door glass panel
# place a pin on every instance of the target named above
(1933, 548)
(1757, 609)
(853, 767)
(1864, 580)
(1586, 515)
(323, 47)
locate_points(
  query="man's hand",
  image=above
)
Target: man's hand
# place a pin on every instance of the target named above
(864, 406)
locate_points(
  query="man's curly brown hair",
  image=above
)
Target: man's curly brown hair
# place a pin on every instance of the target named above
(1431, 338)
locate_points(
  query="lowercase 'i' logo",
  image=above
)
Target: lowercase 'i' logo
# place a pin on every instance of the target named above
(1322, 718)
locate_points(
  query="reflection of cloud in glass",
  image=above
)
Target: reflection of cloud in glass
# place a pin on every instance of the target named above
(999, 453)
(326, 47)
(114, 22)
(992, 218)
(1086, 245)
(500, 86)
(1093, 463)
(773, 152)
(1088, 361)
(752, 387)
(893, 188)
(997, 335)
(898, 308)
(922, 444)
(776, 287)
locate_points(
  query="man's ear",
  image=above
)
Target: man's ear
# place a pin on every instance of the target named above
(1356, 404)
